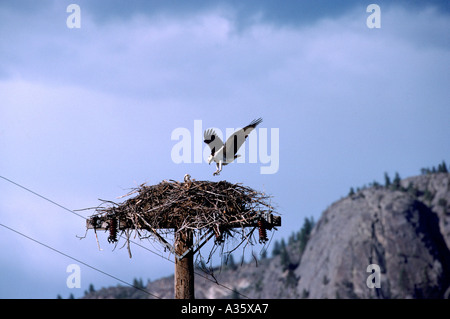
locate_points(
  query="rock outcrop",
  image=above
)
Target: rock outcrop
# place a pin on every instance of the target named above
(404, 232)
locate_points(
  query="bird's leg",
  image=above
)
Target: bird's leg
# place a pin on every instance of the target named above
(219, 168)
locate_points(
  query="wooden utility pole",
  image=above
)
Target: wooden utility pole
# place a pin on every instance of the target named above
(184, 268)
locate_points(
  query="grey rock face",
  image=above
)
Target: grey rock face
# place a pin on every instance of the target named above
(434, 191)
(395, 230)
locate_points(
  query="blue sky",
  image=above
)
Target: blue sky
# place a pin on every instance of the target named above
(88, 113)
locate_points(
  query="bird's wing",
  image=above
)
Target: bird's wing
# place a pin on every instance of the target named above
(235, 141)
(213, 140)
(252, 125)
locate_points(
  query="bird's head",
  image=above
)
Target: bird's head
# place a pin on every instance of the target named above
(210, 159)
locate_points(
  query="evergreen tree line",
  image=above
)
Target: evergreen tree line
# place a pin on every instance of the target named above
(138, 283)
(300, 238)
(395, 184)
(441, 168)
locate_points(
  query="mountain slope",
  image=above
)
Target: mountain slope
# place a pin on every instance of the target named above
(403, 232)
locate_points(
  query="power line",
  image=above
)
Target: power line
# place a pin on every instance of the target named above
(79, 261)
(43, 197)
(121, 236)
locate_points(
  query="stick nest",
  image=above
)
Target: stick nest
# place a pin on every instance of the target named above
(195, 205)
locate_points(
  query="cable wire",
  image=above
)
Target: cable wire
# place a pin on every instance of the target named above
(43, 197)
(79, 261)
(121, 236)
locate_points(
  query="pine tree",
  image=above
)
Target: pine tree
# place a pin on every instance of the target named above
(375, 184)
(264, 254)
(442, 168)
(276, 248)
(284, 256)
(387, 180)
(351, 192)
(138, 283)
(396, 182)
(305, 232)
(230, 262)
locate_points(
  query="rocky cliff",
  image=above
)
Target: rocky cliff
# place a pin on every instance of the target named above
(403, 229)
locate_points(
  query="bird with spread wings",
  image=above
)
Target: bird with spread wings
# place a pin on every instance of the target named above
(225, 153)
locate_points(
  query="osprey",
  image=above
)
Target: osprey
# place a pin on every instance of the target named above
(224, 154)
